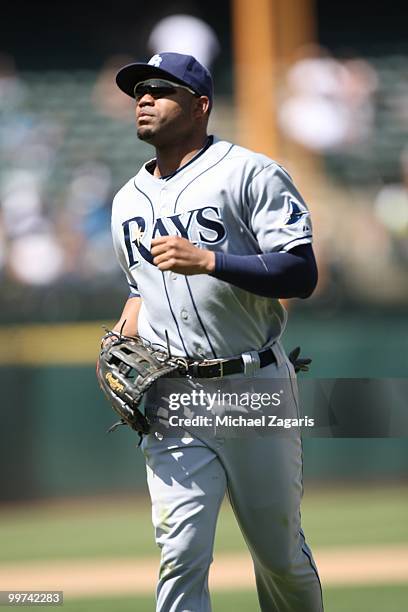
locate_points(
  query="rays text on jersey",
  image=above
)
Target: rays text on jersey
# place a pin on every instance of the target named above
(202, 225)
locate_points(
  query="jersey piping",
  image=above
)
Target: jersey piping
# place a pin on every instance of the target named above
(199, 318)
(201, 173)
(147, 197)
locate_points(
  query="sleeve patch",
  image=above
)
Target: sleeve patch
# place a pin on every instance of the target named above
(295, 211)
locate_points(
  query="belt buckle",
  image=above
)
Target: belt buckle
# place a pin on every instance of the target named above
(215, 367)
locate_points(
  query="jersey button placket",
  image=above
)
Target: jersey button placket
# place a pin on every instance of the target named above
(184, 314)
(164, 205)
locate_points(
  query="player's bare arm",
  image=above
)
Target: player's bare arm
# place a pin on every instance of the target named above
(127, 323)
(180, 255)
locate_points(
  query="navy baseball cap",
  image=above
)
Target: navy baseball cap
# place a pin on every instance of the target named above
(176, 67)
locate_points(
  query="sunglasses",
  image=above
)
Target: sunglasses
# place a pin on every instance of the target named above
(159, 88)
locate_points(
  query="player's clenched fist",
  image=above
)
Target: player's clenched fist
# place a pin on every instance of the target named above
(180, 255)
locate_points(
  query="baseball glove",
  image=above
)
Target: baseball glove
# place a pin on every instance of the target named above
(127, 367)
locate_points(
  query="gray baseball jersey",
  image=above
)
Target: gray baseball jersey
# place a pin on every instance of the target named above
(229, 199)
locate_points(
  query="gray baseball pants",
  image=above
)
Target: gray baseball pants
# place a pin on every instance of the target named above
(262, 477)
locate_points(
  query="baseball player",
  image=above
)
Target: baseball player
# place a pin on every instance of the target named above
(210, 235)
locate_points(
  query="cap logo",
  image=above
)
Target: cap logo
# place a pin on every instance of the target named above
(156, 60)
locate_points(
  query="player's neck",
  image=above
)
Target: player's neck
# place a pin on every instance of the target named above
(170, 158)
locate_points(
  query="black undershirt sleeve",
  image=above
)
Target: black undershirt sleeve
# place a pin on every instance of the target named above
(275, 275)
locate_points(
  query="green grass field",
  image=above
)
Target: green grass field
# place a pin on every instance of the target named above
(119, 527)
(105, 528)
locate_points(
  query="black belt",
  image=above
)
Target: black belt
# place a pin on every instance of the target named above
(228, 366)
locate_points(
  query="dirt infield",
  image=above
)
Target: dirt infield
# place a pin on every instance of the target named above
(387, 565)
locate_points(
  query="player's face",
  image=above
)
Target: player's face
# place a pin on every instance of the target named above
(165, 116)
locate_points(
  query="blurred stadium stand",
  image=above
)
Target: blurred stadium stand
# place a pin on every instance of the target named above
(378, 159)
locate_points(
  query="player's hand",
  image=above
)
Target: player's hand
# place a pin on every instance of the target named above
(180, 255)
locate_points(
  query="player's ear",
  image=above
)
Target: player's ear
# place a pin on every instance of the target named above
(202, 107)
